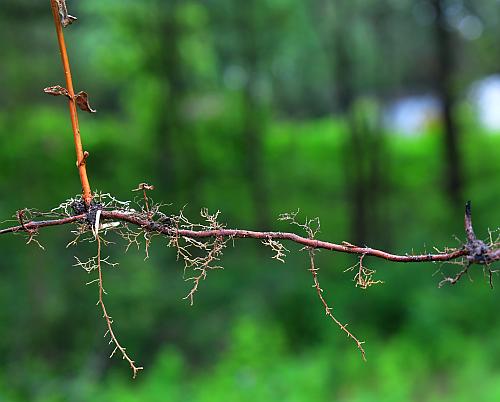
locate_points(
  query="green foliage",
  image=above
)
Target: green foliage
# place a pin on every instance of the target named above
(421, 341)
(258, 364)
(180, 86)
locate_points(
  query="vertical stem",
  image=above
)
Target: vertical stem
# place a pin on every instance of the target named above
(80, 161)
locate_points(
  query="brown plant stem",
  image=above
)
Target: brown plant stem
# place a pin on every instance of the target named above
(109, 320)
(80, 157)
(165, 229)
(485, 254)
(305, 241)
(328, 310)
(35, 225)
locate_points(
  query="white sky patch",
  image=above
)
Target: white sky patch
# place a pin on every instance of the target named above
(485, 96)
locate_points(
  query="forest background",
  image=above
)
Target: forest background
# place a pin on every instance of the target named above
(379, 117)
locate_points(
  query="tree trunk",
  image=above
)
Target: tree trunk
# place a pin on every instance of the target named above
(443, 85)
(253, 129)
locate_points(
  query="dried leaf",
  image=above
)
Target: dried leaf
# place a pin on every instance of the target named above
(66, 19)
(81, 98)
(82, 101)
(144, 186)
(57, 90)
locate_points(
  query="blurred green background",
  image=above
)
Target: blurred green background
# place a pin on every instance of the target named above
(380, 117)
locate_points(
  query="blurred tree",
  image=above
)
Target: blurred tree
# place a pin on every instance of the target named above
(445, 74)
(257, 26)
(339, 27)
(249, 28)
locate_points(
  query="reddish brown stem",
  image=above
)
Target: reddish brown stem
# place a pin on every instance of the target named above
(30, 226)
(311, 243)
(80, 157)
(240, 233)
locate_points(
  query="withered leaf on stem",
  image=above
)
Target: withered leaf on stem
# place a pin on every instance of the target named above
(57, 90)
(82, 100)
(66, 19)
(144, 186)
